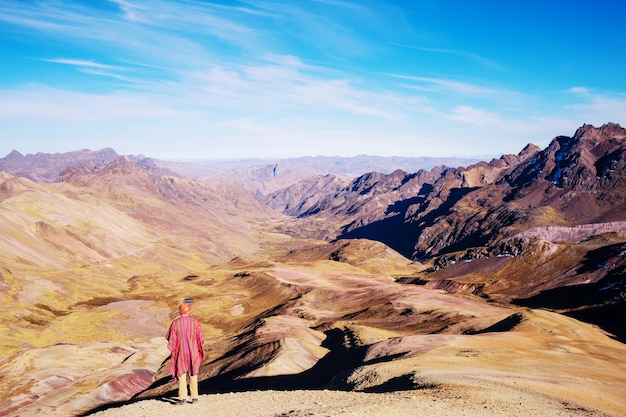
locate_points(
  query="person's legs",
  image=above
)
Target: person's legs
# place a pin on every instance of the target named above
(182, 387)
(193, 387)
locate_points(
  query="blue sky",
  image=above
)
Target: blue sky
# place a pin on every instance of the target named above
(263, 78)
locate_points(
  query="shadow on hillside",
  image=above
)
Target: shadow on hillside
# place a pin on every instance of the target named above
(392, 231)
(601, 303)
(328, 373)
(400, 233)
(505, 325)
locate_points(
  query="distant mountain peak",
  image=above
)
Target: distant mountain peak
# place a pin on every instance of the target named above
(14, 154)
(12, 161)
(529, 149)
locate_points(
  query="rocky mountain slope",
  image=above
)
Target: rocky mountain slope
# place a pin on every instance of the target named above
(388, 207)
(85, 237)
(446, 281)
(494, 219)
(568, 183)
(573, 181)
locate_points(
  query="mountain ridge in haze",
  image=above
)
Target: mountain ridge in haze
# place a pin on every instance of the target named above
(262, 176)
(265, 176)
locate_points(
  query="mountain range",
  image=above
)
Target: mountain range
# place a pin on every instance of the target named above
(315, 272)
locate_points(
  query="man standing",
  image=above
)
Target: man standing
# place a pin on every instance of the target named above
(185, 341)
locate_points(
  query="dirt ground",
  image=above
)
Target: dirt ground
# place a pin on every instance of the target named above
(479, 398)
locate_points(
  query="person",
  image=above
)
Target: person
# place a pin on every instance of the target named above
(185, 340)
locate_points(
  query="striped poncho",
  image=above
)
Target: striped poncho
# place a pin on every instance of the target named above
(185, 341)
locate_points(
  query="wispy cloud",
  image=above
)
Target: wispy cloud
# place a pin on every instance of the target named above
(332, 68)
(82, 63)
(132, 11)
(449, 86)
(165, 31)
(287, 84)
(120, 73)
(464, 54)
(598, 107)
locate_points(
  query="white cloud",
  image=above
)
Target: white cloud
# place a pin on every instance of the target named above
(578, 90)
(475, 116)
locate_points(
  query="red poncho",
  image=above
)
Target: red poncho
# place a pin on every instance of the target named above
(185, 340)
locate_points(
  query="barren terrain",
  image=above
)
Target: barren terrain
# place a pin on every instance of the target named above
(478, 399)
(299, 323)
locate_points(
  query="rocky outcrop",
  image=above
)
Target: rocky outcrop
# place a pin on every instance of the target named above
(456, 287)
(574, 233)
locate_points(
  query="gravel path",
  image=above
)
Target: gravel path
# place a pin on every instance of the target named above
(435, 402)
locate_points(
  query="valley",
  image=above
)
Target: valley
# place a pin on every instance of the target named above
(499, 281)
